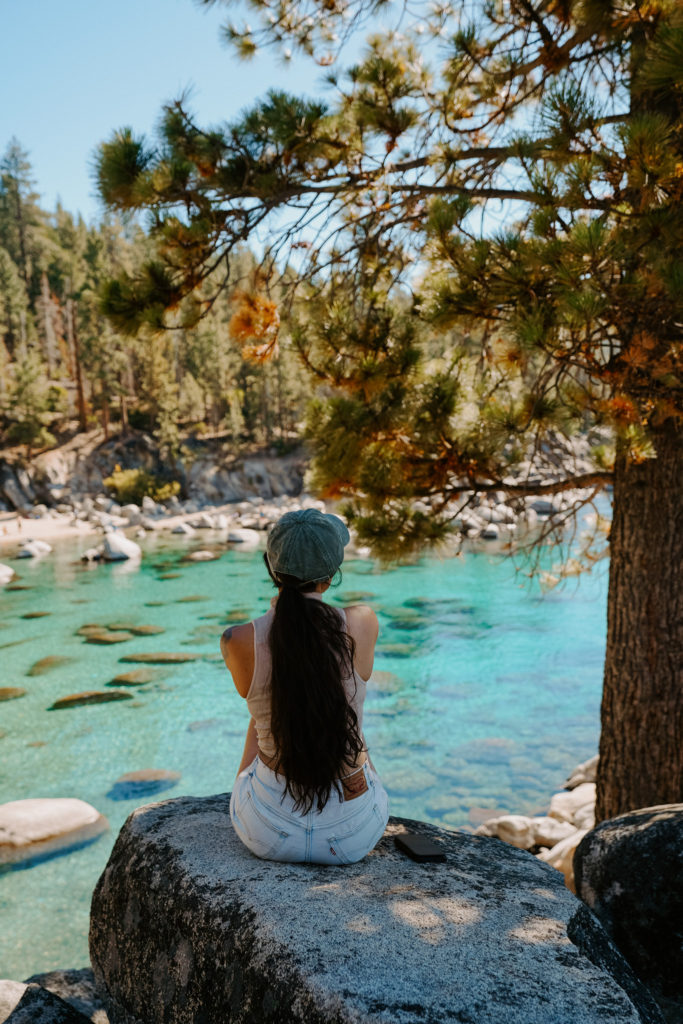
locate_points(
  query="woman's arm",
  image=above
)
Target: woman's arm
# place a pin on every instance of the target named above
(237, 648)
(250, 746)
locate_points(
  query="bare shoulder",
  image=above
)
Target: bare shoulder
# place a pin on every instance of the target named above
(237, 648)
(362, 619)
(235, 638)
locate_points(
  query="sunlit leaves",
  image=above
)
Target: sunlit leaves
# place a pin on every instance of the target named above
(254, 325)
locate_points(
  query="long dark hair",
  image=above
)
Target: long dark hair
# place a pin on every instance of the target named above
(314, 728)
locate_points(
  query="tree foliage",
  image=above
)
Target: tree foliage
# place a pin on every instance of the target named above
(475, 242)
(55, 338)
(516, 165)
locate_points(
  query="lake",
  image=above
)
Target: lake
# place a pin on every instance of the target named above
(486, 694)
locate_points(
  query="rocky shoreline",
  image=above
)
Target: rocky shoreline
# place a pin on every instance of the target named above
(71, 996)
(62, 493)
(553, 837)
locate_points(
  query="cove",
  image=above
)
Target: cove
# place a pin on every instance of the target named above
(485, 695)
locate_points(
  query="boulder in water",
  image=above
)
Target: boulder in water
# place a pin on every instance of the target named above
(118, 548)
(187, 925)
(31, 829)
(34, 549)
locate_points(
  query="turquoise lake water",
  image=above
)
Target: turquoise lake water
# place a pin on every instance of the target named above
(487, 694)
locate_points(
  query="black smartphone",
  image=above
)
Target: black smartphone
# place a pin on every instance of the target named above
(420, 848)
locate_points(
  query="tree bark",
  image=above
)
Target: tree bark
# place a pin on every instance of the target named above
(641, 743)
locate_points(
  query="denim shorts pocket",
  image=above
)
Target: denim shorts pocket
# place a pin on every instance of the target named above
(262, 836)
(353, 839)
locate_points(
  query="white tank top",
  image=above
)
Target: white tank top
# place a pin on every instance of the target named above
(258, 697)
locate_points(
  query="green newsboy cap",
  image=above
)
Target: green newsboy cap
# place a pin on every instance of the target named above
(307, 544)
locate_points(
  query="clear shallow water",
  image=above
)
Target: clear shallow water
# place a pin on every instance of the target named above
(486, 694)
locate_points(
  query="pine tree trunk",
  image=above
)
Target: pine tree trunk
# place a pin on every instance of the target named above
(72, 329)
(641, 743)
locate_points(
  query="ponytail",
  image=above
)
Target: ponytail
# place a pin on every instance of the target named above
(314, 728)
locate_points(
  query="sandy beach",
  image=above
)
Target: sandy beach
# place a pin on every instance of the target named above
(15, 530)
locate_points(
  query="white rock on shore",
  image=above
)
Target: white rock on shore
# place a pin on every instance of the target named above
(561, 856)
(585, 772)
(565, 805)
(7, 574)
(570, 817)
(34, 549)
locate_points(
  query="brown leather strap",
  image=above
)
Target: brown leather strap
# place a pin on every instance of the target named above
(353, 785)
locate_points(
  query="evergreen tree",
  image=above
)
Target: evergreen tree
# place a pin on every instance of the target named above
(560, 119)
(22, 222)
(29, 402)
(14, 309)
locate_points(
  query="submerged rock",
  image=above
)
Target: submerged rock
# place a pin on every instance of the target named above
(146, 782)
(108, 637)
(203, 556)
(187, 925)
(11, 692)
(32, 829)
(161, 657)
(138, 677)
(43, 665)
(75, 700)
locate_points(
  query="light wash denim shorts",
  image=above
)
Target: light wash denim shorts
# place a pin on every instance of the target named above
(268, 825)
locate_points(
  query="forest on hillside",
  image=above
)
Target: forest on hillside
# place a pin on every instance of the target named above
(64, 367)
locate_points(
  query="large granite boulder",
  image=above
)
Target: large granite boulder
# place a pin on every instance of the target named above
(31, 1004)
(75, 987)
(187, 926)
(629, 871)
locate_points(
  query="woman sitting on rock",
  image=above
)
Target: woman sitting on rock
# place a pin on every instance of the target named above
(306, 790)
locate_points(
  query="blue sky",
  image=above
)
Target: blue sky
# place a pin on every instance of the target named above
(72, 71)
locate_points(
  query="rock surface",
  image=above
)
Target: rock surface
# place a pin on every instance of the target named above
(629, 871)
(32, 1004)
(186, 925)
(77, 700)
(76, 987)
(30, 829)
